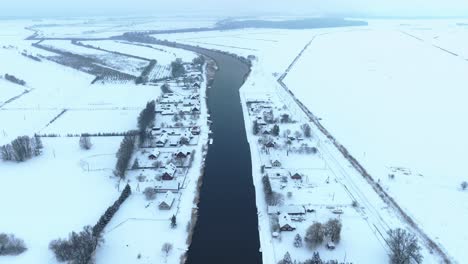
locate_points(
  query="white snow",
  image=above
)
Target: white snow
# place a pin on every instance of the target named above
(49, 196)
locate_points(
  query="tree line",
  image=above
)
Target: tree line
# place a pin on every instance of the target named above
(123, 155)
(14, 79)
(146, 119)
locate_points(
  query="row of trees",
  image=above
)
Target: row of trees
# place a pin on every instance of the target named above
(123, 155)
(14, 79)
(110, 212)
(146, 119)
(21, 149)
(10, 245)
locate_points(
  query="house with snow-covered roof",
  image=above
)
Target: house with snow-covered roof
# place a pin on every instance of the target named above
(167, 186)
(154, 154)
(167, 202)
(275, 161)
(285, 223)
(169, 172)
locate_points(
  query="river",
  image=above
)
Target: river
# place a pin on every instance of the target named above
(227, 227)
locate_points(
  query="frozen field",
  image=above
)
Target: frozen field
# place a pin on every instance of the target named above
(106, 27)
(41, 203)
(97, 121)
(396, 101)
(9, 90)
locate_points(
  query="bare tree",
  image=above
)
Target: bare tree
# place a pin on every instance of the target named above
(404, 247)
(306, 130)
(315, 234)
(85, 142)
(464, 185)
(333, 230)
(150, 193)
(10, 245)
(166, 249)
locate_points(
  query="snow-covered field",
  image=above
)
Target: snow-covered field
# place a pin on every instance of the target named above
(66, 188)
(392, 93)
(105, 27)
(49, 196)
(397, 103)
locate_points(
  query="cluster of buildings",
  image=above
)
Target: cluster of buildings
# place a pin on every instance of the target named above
(167, 153)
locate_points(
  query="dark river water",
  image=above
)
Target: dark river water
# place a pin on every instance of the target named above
(227, 227)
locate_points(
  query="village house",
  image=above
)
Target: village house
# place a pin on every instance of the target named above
(285, 223)
(296, 176)
(167, 202)
(154, 155)
(169, 172)
(195, 110)
(293, 209)
(182, 153)
(167, 186)
(195, 130)
(174, 141)
(270, 144)
(161, 141)
(275, 160)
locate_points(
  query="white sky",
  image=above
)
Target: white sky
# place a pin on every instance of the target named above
(234, 7)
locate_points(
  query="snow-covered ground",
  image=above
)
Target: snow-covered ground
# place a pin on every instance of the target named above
(49, 196)
(105, 27)
(395, 101)
(66, 188)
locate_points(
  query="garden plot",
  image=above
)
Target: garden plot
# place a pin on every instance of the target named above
(121, 63)
(160, 72)
(93, 122)
(389, 84)
(41, 203)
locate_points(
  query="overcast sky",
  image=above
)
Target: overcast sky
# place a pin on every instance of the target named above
(234, 7)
